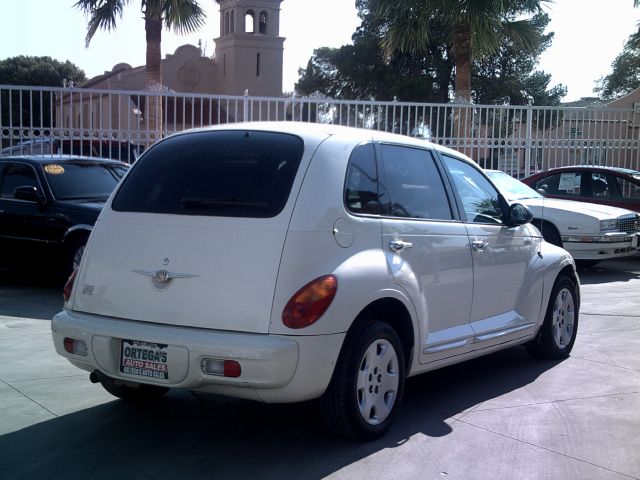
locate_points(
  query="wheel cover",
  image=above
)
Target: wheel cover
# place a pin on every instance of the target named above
(378, 380)
(77, 256)
(563, 319)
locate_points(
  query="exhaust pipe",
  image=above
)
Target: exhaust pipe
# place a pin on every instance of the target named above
(97, 376)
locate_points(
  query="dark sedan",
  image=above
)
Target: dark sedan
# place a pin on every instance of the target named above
(618, 187)
(48, 206)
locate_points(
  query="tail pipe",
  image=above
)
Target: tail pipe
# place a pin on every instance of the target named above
(97, 376)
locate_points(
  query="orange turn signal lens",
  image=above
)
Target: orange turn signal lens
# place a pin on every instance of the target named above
(309, 303)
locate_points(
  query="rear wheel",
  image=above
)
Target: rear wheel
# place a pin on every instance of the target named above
(558, 332)
(363, 397)
(132, 391)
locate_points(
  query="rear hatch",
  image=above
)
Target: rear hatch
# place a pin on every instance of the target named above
(195, 233)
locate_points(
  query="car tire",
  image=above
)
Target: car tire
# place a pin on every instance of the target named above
(130, 391)
(560, 327)
(366, 389)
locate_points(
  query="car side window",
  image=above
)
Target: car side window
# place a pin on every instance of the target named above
(566, 183)
(361, 186)
(17, 175)
(629, 190)
(414, 185)
(480, 199)
(604, 185)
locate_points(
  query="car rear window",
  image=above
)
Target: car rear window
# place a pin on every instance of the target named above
(235, 173)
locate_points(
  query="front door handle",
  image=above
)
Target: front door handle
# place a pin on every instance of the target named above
(478, 245)
(397, 245)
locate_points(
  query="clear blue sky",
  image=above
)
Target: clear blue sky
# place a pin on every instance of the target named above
(589, 34)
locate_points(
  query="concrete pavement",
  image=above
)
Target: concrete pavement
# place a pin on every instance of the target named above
(505, 416)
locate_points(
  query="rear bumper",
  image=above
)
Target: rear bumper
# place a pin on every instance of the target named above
(589, 248)
(274, 368)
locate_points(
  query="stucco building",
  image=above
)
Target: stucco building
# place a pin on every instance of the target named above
(248, 59)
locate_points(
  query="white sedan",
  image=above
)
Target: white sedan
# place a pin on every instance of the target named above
(588, 231)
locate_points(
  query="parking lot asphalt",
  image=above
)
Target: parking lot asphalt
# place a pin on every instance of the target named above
(505, 416)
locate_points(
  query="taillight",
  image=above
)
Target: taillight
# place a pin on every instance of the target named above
(309, 303)
(68, 287)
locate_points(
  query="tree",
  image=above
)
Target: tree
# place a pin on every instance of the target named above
(476, 29)
(182, 16)
(508, 76)
(28, 108)
(361, 70)
(625, 72)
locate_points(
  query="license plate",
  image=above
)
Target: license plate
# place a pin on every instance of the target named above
(144, 359)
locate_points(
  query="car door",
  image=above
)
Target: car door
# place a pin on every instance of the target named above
(427, 249)
(23, 224)
(507, 272)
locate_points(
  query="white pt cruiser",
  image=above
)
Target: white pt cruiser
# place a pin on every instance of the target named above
(282, 262)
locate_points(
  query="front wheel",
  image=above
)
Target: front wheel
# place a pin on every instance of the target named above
(363, 397)
(558, 332)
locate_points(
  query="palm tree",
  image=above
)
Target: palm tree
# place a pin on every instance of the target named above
(476, 29)
(182, 16)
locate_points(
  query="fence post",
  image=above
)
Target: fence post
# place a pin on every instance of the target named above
(245, 106)
(527, 152)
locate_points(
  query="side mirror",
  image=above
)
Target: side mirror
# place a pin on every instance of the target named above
(542, 190)
(29, 194)
(519, 215)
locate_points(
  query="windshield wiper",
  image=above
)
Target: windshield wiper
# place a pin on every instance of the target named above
(201, 202)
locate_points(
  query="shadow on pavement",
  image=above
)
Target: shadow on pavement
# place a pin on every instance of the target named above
(619, 270)
(35, 295)
(183, 437)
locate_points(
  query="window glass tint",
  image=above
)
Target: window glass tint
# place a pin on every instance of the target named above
(17, 175)
(629, 190)
(361, 187)
(480, 199)
(414, 185)
(604, 186)
(76, 180)
(220, 173)
(567, 183)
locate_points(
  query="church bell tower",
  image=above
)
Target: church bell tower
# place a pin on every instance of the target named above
(249, 50)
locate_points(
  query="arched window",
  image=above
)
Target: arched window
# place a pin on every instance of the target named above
(226, 23)
(249, 22)
(262, 24)
(233, 21)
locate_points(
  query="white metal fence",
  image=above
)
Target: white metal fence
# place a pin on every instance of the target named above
(516, 139)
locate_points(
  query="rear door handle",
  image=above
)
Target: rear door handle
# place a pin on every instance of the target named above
(478, 245)
(397, 245)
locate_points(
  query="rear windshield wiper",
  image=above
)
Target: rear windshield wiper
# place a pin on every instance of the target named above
(201, 202)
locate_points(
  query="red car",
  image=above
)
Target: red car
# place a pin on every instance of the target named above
(618, 187)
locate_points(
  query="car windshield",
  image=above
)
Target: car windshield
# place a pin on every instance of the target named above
(83, 180)
(512, 188)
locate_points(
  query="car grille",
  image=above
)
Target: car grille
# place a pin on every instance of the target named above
(629, 223)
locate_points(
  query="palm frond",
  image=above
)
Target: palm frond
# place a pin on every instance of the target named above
(406, 26)
(102, 14)
(183, 16)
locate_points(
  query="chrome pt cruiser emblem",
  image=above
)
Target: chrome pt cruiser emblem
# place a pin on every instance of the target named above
(161, 279)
